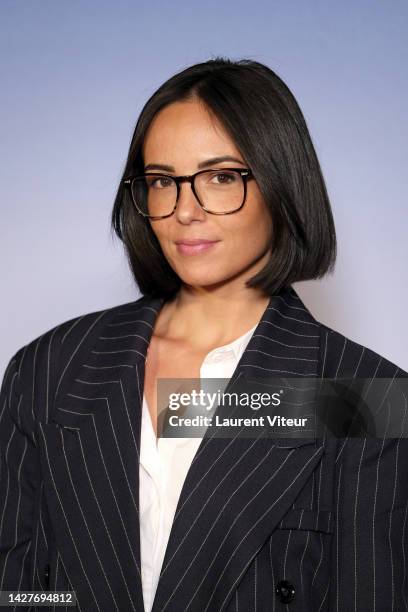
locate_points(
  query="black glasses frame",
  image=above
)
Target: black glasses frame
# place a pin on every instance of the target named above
(246, 174)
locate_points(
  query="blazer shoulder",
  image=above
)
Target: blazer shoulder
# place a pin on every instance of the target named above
(48, 353)
(342, 357)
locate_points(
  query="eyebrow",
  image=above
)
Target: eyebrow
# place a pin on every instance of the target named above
(204, 164)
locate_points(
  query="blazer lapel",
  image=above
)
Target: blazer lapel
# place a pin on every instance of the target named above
(234, 495)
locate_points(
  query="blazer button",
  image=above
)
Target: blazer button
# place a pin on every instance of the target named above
(285, 591)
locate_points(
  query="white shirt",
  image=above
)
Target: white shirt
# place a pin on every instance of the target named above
(164, 464)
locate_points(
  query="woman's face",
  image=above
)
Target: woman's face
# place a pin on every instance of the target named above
(181, 136)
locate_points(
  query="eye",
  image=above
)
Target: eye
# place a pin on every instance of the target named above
(159, 182)
(223, 178)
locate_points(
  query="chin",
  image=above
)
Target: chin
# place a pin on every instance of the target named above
(213, 279)
(200, 282)
(200, 276)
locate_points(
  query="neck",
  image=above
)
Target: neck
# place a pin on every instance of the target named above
(211, 317)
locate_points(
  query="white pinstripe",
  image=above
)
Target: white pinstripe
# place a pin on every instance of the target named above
(320, 559)
(292, 346)
(255, 572)
(121, 365)
(22, 570)
(130, 425)
(69, 582)
(133, 322)
(245, 365)
(403, 590)
(39, 580)
(48, 374)
(33, 379)
(374, 508)
(324, 598)
(359, 362)
(281, 356)
(36, 542)
(122, 337)
(301, 562)
(5, 503)
(41, 522)
(285, 558)
(385, 395)
(18, 411)
(292, 318)
(354, 526)
(272, 571)
(117, 352)
(69, 330)
(56, 579)
(338, 540)
(341, 357)
(288, 331)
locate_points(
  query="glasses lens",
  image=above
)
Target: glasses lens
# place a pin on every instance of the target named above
(154, 195)
(220, 191)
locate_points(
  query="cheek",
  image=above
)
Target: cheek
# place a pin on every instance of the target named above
(254, 230)
(162, 232)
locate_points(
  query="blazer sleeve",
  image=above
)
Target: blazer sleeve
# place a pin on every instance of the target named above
(370, 552)
(19, 481)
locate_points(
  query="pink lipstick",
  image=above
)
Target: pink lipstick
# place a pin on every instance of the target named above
(194, 247)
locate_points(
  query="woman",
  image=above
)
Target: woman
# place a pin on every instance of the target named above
(221, 208)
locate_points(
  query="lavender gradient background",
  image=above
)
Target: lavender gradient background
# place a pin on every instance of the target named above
(75, 75)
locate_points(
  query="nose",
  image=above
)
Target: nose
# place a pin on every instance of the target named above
(188, 208)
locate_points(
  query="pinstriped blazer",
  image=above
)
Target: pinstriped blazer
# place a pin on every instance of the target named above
(329, 516)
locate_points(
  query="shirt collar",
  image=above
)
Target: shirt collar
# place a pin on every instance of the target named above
(237, 346)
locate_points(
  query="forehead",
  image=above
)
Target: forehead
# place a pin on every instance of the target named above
(186, 127)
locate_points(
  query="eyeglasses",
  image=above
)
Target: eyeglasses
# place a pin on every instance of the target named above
(218, 192)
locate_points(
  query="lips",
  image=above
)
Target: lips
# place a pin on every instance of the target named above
(195, 247)
(195, 241)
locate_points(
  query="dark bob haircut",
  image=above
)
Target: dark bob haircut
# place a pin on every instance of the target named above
(265, 122)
